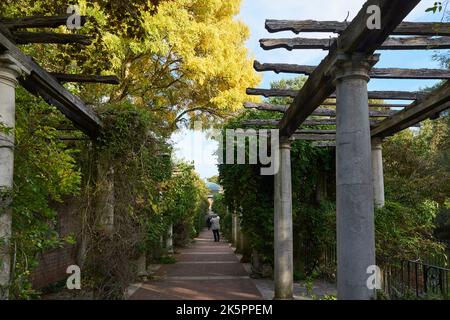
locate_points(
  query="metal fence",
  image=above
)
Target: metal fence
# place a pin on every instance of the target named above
(413, 279)
(427, 278)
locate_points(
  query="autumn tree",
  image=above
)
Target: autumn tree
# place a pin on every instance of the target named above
(180, 59)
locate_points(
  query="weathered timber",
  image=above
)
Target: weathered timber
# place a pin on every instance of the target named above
(409, 43)
(42, 83)
(404, 29)
(309, 122)
(324, 144)
(315, 131)
(25, 37)
(63, 77)
(385, 73)
(267, 93)
(376, 95)
(373, 104)
(38, 22)
(356, 38)
(314, 137)
(436, 102)
(318, 112)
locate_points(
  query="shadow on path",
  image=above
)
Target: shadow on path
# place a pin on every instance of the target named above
(206, 270)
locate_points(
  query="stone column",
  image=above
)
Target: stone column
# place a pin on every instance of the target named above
(234, 229)
(284, 265)
(106, 197)
(354, 189)
(169, 239)
(8, 82)
(377, 172)
(141, 266)
(238, 234)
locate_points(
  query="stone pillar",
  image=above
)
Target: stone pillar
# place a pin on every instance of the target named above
(239, 235)
(141, 266)
(377, 172)
(169, 239)
(283, 259)
(106, 197)
(354, 189)
(8, 82)
(234, 229)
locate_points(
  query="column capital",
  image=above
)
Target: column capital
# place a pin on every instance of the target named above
(356, 65)
(377, 143)
(286, 144)
(9, 70)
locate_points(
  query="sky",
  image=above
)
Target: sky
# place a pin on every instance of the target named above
(195, 146)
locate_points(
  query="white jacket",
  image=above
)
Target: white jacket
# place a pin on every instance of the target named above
(215, 223)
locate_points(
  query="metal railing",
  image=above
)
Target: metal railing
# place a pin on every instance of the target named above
(427, 278)
(414, 279)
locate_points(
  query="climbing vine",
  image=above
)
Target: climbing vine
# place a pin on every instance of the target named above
(45, 172)
(416, 184)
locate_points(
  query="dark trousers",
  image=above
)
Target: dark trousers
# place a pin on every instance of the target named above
(216, 235)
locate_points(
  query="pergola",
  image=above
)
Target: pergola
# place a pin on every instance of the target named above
(15, 68)
(340, 80)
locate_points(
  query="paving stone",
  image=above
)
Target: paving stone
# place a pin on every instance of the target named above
(206, 270)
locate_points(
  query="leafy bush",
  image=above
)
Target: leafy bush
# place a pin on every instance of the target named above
(404, 233)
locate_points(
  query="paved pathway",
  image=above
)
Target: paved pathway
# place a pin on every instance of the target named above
(206, 270)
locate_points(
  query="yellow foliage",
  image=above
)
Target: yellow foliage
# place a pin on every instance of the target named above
(177, 58)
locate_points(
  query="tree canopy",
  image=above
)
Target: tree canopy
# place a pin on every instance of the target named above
(176, 58)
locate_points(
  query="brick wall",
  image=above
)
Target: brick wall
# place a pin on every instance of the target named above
(53, 264)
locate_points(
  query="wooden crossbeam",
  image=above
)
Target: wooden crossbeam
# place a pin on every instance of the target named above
(42, 83)
(25, 37)
(314, 137)
(385, 73)
(63, 77)
(38, 22)
(409, 43)
(324, 144)
(374, 105)
(356, 38)
(404, 29)
(375, 95)
(309, 122)
(324, 112)
(436, 102)
(315, 131)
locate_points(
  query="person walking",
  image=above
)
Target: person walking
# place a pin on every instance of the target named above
(215, 226)
(208, 220)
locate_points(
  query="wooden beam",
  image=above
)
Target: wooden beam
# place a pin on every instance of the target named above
(314, 137)
(356, 38)
(267, 93)
(375, 95)
(38, 22)
(42, 83)
(324, 112)
(63, 77)
(386, 73)
(410, 43)
(309, 122)
(436, 102)
(266, 107)
(372, 104)
(25, 37)
(315, 131)
(324, 144)
(404, 29)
